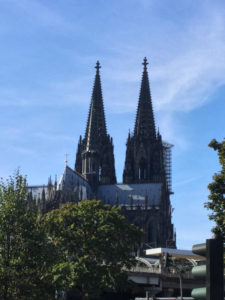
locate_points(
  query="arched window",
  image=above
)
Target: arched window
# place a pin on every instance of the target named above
(142, 170)
(100, 173)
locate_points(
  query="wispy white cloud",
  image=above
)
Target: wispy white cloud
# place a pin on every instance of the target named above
(170, 130)
(192, 70)
(73, 91)
(57, 94)
(53, 136)
(11, 132)
(193, 67)
(42, 15)
(189, 80)
(189, 180)
(27, 151)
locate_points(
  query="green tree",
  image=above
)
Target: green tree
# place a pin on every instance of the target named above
(216, 201)
(26, 256)
(95, 242)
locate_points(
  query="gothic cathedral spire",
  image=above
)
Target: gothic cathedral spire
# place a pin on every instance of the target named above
(144, 153)
(145, 124)
(96, 126)
(95, 158)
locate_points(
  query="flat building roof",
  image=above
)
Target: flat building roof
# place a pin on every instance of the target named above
(174, 252)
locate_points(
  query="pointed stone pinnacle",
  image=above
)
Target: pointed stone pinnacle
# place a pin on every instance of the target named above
(96, 125)
(144, 124)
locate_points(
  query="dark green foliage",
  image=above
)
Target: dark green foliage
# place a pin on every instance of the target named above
(95, 243)
(216, 201)
(81, 247)
(25, 254)
(174, 265)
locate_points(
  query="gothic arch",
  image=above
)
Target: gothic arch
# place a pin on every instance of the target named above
(151, 230)
(142, 169)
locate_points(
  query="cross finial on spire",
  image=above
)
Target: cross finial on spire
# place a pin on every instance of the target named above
(66, 161)
(145, 63)
(97, 66)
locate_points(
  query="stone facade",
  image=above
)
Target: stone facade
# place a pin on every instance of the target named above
(145, 192)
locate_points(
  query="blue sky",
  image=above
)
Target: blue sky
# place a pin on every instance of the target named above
(48, 53)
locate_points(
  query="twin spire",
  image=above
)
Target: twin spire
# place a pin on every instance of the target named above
(95, 158)
(145, 124)
(96, 125)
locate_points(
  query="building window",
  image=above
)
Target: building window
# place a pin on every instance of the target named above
(100, 173)
(142, 172)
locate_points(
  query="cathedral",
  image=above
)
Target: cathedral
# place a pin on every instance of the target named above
(144, 195)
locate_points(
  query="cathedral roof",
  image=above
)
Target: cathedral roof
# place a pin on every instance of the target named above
(145, 124)
(37, 190)
(71, 179)
(124, 194)
(96, 125)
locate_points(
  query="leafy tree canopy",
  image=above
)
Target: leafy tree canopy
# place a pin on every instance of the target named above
(25, 255)
(95, 242)
(216, 201)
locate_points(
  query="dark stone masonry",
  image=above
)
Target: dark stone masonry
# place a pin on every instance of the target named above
(145, 192)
